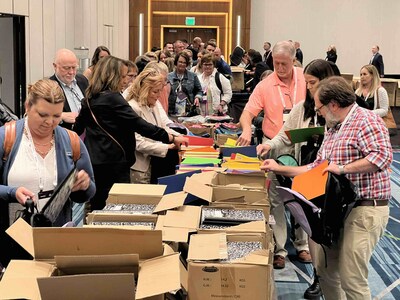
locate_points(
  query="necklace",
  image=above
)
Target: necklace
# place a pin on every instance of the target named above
(45, 144)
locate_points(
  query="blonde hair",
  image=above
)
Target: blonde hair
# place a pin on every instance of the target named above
(46, 89)
(376, 80)
(140, 89)
(157, 66)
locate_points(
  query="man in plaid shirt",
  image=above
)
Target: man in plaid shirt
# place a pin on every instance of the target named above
(358, 146)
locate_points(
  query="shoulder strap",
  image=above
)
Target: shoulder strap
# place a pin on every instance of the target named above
(75, 145)
(11, 134)
(9, 138)
(218, 82)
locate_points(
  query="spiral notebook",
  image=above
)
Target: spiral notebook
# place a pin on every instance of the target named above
(55, 204)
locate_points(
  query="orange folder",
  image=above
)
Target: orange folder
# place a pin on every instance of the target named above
(311, 184)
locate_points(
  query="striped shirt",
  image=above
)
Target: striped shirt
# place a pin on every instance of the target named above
(364, 135)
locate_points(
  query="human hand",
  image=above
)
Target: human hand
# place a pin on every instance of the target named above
(22, 194)
(262, 150)
(245, 138)
(196, 101)
(333, 168)
(82, 181)
(179, 140)
(69, 117)
(270, 165)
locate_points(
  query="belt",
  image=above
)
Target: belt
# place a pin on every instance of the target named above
(371, 203)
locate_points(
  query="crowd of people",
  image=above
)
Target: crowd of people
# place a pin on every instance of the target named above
(122, 110)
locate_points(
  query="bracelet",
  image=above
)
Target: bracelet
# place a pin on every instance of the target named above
(173, 138)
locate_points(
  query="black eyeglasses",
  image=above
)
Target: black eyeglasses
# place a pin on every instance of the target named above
(318, 109)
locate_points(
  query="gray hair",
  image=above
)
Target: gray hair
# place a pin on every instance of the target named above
(284, 47)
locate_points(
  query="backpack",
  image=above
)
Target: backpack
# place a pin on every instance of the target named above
(10, 136)
(322, 218)
(218, 82)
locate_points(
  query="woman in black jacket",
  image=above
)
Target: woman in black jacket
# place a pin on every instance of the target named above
(110, 125)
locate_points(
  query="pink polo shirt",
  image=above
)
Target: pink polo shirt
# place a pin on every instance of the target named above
(273, 96)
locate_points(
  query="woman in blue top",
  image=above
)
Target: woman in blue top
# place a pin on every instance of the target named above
(40, 158)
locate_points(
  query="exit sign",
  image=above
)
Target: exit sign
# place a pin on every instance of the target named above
(190, 21)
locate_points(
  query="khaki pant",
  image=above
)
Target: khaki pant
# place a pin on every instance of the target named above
(346, 274)
(280, 227)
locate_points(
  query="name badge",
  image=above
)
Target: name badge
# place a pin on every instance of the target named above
(45, 194)
(286, 115)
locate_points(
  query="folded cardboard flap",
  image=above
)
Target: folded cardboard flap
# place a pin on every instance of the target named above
(20, 279)
(171, 201)
(172, 234)
(136, 193)
(208, 247)
(158, 275)
(45, 243)
(185, 217)
(105, 216)
(92, 264)
(88, 286)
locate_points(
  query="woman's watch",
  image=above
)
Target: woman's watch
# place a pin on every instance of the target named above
(341, 169)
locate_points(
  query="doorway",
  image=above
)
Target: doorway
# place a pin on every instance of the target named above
(172, 33)
(13, 62)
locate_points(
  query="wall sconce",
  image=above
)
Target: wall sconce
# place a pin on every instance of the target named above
(238, 30)
(141, 33)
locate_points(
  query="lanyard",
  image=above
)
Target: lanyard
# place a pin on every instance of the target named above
(40, 171)
(294, 92)
(338, 134)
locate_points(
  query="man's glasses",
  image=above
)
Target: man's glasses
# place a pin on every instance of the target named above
(318, 109)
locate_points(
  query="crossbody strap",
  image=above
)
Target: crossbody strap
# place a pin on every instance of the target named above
(110, 136)
(9, 138)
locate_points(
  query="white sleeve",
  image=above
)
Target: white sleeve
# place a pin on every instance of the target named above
(383, 99)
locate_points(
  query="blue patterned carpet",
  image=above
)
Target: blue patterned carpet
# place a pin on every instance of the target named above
(384, 270)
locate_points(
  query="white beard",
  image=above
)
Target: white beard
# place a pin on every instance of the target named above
(330, 119)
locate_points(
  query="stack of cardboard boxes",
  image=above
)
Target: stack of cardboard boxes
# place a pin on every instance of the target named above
(105, 262)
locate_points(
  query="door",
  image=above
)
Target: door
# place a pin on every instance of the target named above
(173, 33)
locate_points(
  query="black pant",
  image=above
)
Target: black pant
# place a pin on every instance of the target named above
(164, 166)
(105, 176)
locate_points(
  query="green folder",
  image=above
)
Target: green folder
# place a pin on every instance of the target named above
(304, 134)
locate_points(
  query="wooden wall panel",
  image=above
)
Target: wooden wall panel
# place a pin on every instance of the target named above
(164, 13)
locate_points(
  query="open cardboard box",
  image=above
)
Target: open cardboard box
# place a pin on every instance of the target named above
(87, 246)
(177, 224)
(138, 194)
(92, 277)
(217, 186)
(247, 278)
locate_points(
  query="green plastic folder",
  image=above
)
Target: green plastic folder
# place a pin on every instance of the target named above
(200, 161)
(304, 134)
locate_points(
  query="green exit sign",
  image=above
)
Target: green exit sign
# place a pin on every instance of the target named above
(190, 21)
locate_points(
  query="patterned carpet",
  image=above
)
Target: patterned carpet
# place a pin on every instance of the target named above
(384, 270)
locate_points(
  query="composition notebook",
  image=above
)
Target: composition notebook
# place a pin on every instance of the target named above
(55, 204)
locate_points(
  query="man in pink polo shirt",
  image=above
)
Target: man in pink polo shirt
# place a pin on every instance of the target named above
(277, 95)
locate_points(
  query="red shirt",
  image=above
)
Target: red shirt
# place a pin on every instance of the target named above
(364, 135)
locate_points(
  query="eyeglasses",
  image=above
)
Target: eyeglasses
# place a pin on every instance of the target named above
(318, 109)
(208, 65)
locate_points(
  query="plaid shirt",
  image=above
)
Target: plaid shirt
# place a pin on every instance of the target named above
(363, 135)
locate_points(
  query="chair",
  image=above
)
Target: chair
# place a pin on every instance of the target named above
(390, 86)
(348, 77)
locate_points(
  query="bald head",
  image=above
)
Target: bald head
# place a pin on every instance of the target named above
(65, 65)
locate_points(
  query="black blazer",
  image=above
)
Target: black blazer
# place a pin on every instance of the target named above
(377, 61)
(82, 83)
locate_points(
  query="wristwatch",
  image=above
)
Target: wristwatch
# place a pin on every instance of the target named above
(341, 169)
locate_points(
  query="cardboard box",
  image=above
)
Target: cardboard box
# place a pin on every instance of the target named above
(46, 243)
(238, 78)
(246, 278)
(91, 277)
(220, 139)
(177, 224)
(76, 251)
(138, 194)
